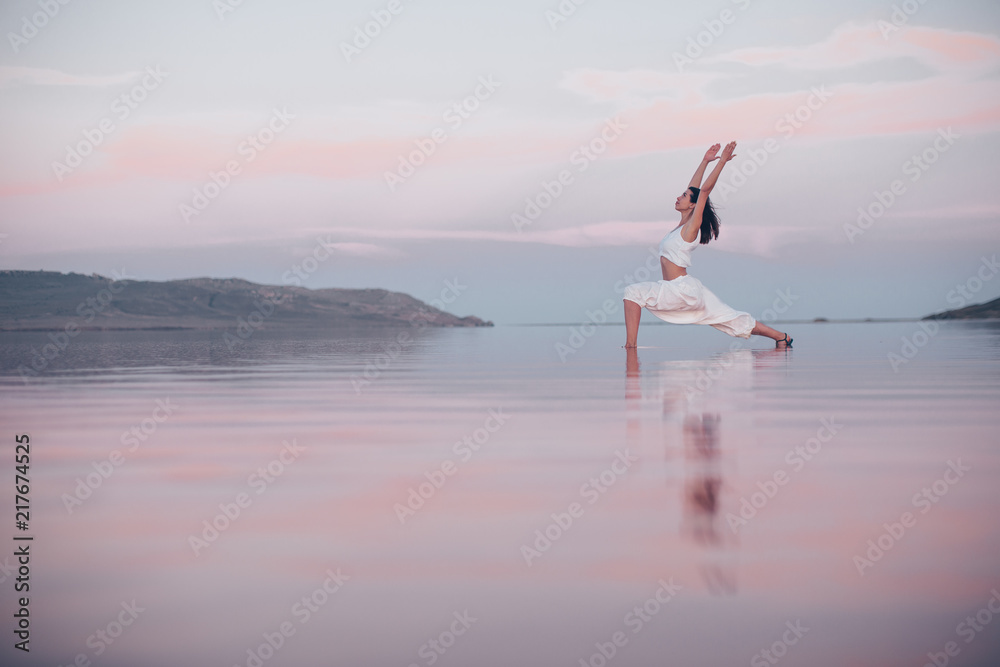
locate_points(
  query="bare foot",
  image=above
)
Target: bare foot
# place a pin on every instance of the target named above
(630, 347)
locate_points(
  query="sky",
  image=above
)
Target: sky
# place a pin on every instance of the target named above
(516, 161)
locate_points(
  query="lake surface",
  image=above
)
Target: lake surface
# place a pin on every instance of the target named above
(510, 496)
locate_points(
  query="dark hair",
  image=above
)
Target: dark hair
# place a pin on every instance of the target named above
(709, 218)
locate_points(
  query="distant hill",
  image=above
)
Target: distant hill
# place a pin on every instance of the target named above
(979, 311)
(48, 300)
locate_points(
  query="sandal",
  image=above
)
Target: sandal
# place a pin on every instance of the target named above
(787, 341)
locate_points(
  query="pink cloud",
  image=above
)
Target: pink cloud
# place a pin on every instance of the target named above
(852, 44)
(664, 111)
(678, 113)
(754, 240)
(188, 154)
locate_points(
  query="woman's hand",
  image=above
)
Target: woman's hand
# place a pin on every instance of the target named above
(727, 152)
(711, 155)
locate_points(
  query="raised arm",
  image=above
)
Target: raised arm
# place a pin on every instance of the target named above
(710, 155)
(713, 178)
(690, 232)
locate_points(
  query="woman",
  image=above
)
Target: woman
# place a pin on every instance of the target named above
(680, 298)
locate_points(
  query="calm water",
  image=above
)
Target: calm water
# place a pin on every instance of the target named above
(511, 496)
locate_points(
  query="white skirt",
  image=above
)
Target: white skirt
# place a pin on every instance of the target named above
(684, 300)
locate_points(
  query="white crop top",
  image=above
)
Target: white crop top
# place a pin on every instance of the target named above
(676, 249)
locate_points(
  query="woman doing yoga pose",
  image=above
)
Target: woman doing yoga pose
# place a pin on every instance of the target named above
(680, 298)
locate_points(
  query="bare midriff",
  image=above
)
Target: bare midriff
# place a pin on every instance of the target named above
(671, 270)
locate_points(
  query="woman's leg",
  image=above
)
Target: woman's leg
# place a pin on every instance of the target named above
(633, 312)
(764, 330)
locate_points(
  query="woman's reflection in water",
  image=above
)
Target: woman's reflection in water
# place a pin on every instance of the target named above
(702, 485)
(703, 479)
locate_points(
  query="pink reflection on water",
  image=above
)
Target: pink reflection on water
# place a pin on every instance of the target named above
(702, 444)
